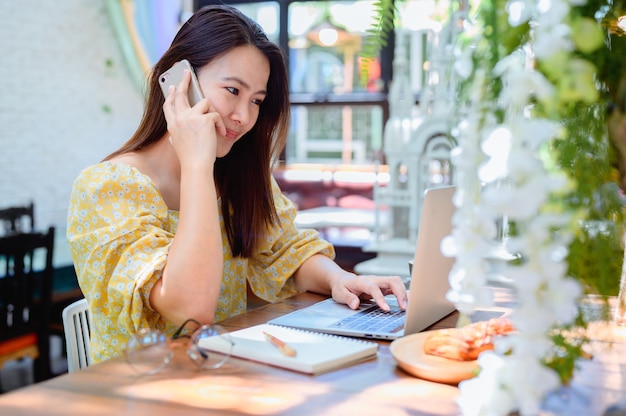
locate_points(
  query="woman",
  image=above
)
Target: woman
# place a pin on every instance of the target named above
(185, 217)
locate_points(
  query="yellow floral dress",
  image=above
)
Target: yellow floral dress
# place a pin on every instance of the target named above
(119, 232)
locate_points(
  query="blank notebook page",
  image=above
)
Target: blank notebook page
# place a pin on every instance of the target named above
(316, 352)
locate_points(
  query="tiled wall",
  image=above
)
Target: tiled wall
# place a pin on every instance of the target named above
(66, 100)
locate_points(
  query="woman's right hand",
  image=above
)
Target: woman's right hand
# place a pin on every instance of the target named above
(190, 285)
(193, 130)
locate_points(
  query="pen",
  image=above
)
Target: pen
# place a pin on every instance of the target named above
(282, 347)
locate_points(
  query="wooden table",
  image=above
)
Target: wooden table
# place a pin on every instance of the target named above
(375, 387)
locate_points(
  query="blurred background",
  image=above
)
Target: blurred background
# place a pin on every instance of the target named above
(73, 77)
(72, 92)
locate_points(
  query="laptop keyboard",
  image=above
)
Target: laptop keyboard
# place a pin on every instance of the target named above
(374, 319)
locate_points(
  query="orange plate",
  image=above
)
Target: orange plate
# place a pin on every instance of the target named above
(409, 353)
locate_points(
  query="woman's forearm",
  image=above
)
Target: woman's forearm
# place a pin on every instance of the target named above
(318, 274)
(191, 280)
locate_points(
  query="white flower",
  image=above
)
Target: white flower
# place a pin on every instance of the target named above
(496, 147)
(552, 11)
(529, 379)
(463, 64)
(522, 85)
(466, 156)
(521, 82)
(535, 132)
(520, 11)
(564, 302)
(482, 395)
(521, 203)
(503, 168)
(552, 40)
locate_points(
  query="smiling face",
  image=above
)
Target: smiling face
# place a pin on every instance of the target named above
(235, 84)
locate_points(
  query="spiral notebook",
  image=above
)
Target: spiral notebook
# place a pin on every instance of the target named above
(315, 352)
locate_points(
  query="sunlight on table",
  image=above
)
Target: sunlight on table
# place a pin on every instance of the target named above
(250, 396)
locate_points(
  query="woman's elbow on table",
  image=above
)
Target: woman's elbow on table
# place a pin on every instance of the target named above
(178, 307)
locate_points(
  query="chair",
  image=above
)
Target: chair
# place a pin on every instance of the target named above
(77, 327)
(17, 219)
(26, 274)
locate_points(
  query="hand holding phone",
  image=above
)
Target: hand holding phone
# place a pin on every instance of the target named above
(191, 136)
(174, 75)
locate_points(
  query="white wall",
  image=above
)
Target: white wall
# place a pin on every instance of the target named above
(61, 106)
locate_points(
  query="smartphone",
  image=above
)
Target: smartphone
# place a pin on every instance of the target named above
(173, 76)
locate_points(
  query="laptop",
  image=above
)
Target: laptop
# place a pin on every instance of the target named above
(427, 297)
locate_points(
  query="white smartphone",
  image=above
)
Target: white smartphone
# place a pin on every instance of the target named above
(173, 76)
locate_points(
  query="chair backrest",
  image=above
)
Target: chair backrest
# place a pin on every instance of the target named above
(18, 219)
(76, 324)
(26, 273)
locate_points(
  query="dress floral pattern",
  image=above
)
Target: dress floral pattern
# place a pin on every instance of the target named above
(119, 233)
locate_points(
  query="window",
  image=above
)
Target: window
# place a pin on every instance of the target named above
(335, 119)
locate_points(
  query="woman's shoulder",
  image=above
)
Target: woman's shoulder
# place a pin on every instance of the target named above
(108, 172)
(117, 186)
(109, 168)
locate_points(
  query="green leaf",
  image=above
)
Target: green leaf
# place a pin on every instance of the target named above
(376, 37)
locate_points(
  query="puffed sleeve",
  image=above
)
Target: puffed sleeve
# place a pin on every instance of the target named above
(285, 249)
(119, 232)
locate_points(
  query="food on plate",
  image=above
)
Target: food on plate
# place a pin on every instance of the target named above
(466, 343)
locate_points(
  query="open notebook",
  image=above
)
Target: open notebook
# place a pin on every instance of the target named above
(427, 297)
(315, 353)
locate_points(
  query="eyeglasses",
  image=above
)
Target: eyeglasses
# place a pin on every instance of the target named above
(149, 351)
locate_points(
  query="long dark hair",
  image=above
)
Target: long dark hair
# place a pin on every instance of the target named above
(243, 177)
